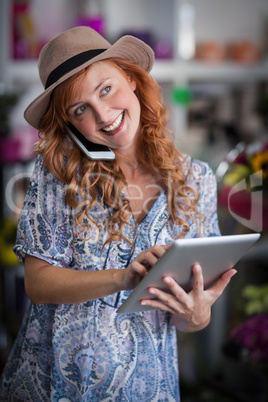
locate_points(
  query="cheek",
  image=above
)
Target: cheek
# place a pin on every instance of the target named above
(88, 128)
(127, 98)
(137, 108)
(134, 104)
(86, 123)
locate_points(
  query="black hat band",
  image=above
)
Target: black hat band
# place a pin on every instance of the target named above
(71, 64)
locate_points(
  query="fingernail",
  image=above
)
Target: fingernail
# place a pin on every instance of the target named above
(151, 291)
(167, 280)
(143, 303)
(234, 274)
(197, 268)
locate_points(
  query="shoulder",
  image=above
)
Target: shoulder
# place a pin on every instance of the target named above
(39, 169)
(42, 175)
(44, 186)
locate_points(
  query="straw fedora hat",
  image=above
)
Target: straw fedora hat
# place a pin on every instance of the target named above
(74, 50)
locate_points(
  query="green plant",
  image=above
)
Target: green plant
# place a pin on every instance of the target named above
(256, 299)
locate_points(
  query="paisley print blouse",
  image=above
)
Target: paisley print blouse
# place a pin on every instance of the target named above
(86, 351)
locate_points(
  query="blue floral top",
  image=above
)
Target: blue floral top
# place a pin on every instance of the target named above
(86, 351)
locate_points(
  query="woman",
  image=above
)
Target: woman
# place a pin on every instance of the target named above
(89, 230)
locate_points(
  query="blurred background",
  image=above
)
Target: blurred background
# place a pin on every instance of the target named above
(212, 67)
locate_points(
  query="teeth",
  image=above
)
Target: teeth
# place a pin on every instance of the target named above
(115, 124)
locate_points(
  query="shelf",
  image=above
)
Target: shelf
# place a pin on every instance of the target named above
(26, 72)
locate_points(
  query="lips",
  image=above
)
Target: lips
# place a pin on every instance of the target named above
(115, 126)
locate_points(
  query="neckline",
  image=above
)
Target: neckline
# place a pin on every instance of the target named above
(149, 213)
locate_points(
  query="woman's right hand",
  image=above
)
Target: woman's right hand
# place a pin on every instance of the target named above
(138, 269)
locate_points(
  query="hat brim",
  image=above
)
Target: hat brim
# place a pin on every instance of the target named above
(127, 48)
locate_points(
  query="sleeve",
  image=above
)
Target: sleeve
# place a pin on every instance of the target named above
(45, 227)
(205, 182)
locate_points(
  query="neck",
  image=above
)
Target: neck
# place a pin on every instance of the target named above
(130, 167)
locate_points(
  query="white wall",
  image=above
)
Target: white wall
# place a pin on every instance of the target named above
(154, 15)
(228, 19)
(221, 20)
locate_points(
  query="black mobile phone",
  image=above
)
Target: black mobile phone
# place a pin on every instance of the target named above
(91, 150)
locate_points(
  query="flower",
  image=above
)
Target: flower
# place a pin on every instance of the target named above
(243, 161)
(260, 163)
(251, 338)
(243, 184)
(8, 229)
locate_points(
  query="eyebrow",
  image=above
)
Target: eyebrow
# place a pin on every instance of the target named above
(96, 89)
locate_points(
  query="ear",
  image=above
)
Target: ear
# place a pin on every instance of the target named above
(132, 82)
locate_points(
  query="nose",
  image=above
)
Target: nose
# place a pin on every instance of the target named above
(101, 112)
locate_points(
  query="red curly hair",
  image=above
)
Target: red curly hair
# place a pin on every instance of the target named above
(94, 179)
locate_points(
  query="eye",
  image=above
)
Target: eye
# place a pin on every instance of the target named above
(80, 110)
(105, 90)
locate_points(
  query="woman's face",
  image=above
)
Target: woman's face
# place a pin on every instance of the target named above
(105, 108)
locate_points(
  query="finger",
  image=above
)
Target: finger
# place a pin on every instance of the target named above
(227, 276)
(158, 250)
(222, 283)
(198, 279)
(225, 279)
(151, 256)
(166, 299)
(155, 303)
(181, 300)
(148, 259)
(139, 268)
(177, 291)
(166, 246)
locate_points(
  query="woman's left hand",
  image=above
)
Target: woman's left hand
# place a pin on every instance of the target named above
(191, 311)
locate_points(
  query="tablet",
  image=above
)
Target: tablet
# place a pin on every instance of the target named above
(216, 255)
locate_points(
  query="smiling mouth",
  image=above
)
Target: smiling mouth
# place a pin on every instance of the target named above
(116, 124)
